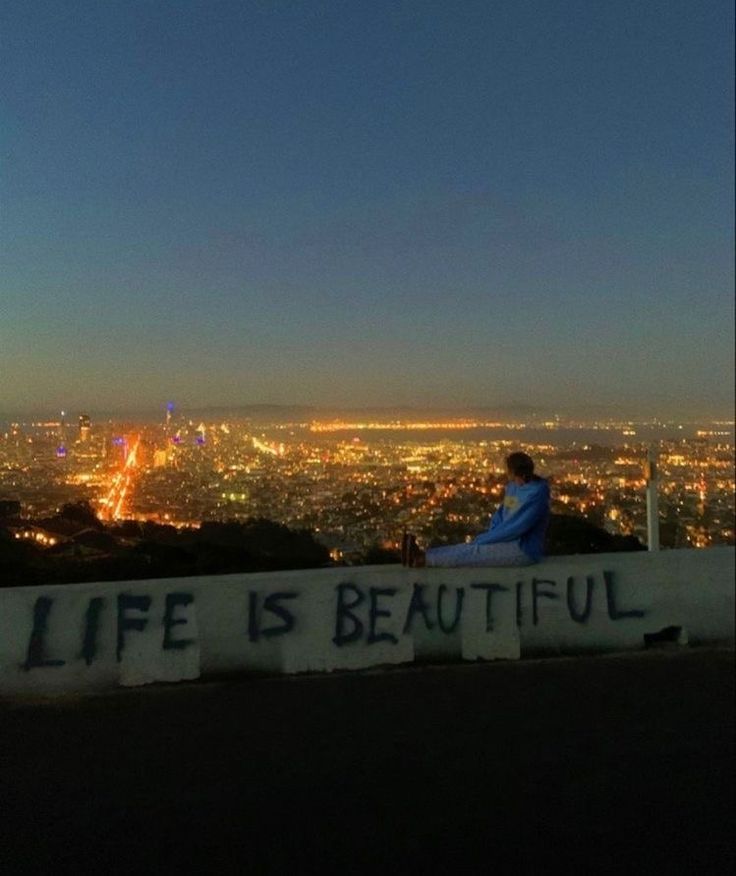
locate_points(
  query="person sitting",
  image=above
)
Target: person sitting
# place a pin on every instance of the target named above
(516, 534)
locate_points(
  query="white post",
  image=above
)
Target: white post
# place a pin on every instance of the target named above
(650, 473)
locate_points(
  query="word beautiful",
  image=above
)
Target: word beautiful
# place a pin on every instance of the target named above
(349, 627)
(360, 614)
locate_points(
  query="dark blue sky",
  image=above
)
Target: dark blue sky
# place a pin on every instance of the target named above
(367, 203)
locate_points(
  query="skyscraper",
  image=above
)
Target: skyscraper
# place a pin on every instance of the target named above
(84, 427)
(61, 449)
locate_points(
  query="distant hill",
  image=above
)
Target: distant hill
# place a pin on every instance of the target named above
(306, 413)
(84, 549)
(570, 534)
(276, 413)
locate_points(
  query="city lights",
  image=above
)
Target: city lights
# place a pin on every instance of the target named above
(441, 477)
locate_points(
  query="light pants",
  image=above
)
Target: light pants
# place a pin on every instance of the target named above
(503, 553)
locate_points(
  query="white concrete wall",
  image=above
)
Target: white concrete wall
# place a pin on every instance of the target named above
(86, 637)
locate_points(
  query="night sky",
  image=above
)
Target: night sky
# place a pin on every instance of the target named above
(367, 203)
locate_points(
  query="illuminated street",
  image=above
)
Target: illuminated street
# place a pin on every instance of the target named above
(114, 506)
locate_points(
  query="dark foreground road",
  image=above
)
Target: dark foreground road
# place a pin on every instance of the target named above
(618, 764)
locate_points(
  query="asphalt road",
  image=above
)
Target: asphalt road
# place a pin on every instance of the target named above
(616, 764)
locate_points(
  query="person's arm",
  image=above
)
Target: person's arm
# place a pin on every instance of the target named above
(484, 537)
(516, 525)
(496, 521)
(498, 516)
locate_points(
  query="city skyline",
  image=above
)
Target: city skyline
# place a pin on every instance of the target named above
(367, 204)
(355, 484)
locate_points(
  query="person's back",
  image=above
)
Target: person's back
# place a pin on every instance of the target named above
(529, 500)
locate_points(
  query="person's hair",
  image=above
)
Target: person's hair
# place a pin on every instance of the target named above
(521, 466)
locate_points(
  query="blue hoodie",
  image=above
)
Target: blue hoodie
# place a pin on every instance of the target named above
(523, 515)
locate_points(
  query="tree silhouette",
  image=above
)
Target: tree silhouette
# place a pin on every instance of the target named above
(81, 512)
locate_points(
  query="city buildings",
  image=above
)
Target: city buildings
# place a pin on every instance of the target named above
(358, 484)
